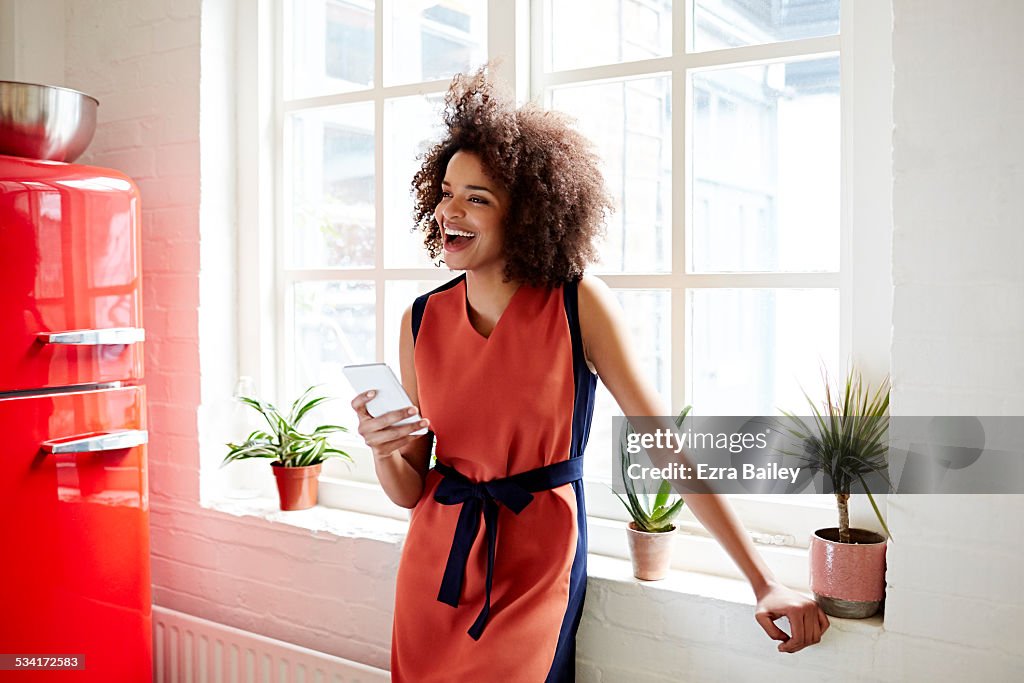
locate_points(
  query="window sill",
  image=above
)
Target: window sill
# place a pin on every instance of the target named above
(680, 584)
(318, 519)
(698, 587)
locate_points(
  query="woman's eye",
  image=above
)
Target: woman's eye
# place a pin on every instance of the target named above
(446, 194)
(481, 200)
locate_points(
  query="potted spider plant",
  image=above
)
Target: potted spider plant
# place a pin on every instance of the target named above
(847, 440)
(296, 455)
(652, 532)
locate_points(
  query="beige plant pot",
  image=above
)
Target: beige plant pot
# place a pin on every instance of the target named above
(848, 579)
(297, 487)
(651, 552)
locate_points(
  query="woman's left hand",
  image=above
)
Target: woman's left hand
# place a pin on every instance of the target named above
(806, 619)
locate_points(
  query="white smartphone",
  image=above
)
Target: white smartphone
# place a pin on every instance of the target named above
(390, 393)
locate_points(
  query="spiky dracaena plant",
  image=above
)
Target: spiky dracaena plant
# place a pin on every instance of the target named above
(284, 442)
(847, 440)
(656, 517)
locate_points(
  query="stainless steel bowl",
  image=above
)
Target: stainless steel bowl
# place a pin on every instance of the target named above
(45, 121)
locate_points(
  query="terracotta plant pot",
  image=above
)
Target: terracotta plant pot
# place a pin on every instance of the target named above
(848, 579)
(651, 552)
(296, 486)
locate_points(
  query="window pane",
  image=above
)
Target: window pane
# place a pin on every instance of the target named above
(412, 124)
(329, 171)
(765, 182)
(630, 121)
(434, 40)
(328, 46)
(751, 350)
(335, 326)
(615, 31)
(649, 316)
(728, 23)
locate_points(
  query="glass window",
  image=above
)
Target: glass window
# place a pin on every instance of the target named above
(434, 40)
(721, 24)
(414, 123)
(630, 122)
(765, 181)
(649, 317)
(350, 149)
(329, 170)
(751, 350)
(334, 326)
(724, 250)
(614, 31)
(329, 46)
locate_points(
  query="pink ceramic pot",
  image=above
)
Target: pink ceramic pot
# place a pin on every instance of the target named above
(651, 552)
(848, 579)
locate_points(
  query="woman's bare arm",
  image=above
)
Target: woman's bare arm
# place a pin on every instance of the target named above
(608, 347)
(399, 458)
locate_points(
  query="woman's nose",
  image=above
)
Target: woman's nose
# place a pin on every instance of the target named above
(453, 208)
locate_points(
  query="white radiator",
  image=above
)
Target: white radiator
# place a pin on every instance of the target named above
(188, 649)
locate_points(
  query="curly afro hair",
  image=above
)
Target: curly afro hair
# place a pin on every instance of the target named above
(558, 203)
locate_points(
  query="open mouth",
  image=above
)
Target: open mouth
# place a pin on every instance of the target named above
(456, 238)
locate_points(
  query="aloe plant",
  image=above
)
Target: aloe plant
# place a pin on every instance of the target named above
(847, 440)
(651, 516)
(284, 443)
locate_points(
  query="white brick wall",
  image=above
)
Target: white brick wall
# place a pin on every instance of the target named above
(953, 608)
(22, 60)
(953, 612)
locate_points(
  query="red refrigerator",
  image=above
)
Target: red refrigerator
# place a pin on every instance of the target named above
(74, 502)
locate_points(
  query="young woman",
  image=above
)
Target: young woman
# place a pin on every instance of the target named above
(501, 363)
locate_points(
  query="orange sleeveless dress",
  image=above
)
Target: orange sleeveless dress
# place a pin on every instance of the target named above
(492, 577)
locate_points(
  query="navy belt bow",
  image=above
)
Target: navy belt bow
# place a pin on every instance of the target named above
(476, 498)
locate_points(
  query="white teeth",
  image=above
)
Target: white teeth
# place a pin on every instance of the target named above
(453, 231)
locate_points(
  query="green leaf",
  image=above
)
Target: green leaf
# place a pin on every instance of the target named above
(657, 517)
(292, 413)
(669, 514)
(285, 442)
(849, 435)
(308, 407)
(335, 453)
(874, 507)
(663, 492)
(329, 429)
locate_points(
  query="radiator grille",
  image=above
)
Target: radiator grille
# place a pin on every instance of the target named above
(188, 649)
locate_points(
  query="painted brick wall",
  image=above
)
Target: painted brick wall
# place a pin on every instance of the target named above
(953, 613)
(953, 610)
(141, 59)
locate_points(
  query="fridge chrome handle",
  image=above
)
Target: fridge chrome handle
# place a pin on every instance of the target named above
(105, 337)
(94, 443)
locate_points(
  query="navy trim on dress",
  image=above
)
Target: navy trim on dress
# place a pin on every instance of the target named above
(585, 381)
(420, 305)
(478, 499)
(563, 665)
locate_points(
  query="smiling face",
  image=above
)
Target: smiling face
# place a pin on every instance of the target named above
(471, 215)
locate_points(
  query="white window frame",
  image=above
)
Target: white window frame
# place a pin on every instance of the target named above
(783, 522)
(864, 279)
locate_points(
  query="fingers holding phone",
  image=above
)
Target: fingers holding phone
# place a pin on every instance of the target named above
(387, 419)
(389, 431)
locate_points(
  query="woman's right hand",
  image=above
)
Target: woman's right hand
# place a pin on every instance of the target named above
(382, 434)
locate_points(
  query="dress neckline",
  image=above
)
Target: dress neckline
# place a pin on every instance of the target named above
(497, 323)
